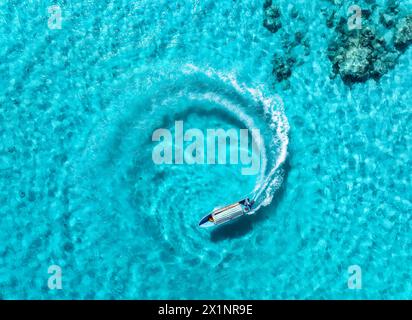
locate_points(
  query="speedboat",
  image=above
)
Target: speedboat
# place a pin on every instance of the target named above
(225, 214)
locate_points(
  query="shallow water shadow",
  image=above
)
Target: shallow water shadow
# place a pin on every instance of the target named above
(242, 226)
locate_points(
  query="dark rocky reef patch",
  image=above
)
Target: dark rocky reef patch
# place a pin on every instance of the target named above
(403, 33)
(272, 16)
(294, 46)
(361, 54)
(282, 67)
(295, 49)
(387, 17)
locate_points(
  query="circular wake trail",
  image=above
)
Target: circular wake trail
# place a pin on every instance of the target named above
(167, 200)
(273, 148)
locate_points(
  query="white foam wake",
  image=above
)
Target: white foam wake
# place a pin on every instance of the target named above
(162, 89)
(274, 155)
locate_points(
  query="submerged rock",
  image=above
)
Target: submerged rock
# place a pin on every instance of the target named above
(387, 20)
(294, 13)
(272, 17)
(392, 7)
(355, 63)
(403, 33)
(282, 67)
(388, 16)
(330, 19)
(358, 55)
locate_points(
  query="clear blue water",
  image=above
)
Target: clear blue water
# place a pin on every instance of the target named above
(78, 187)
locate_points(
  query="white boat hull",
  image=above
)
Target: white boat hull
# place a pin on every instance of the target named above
(225, 214)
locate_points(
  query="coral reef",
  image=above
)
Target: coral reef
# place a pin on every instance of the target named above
(294, 45)
(295, 48)
(272, 16)
(359, 55)
(282, 67)
(388, 16)
(403, 33)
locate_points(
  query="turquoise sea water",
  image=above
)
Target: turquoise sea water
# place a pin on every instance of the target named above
(79, 189)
